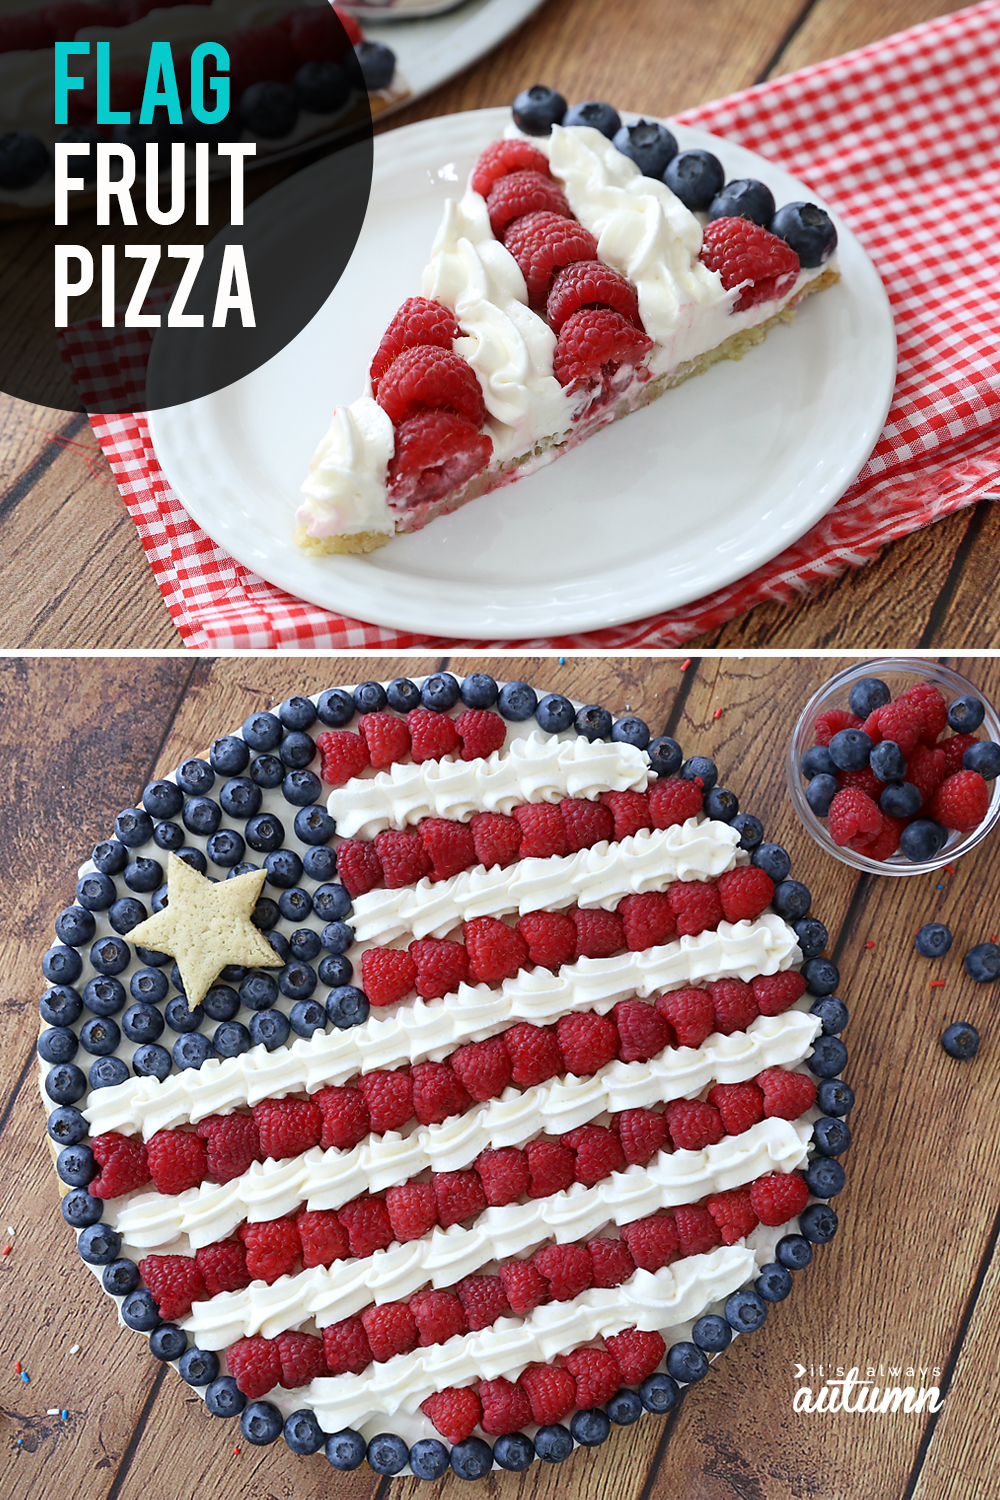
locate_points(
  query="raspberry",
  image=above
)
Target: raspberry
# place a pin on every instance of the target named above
(256, 1366)
(551, 1167)
(595, 343)
(786, 1095)
(259, 52)
(550, 936)
(430, 377)
(778, 1198)
(437, 1093)
(589, 283)
(432, 735)
(542, 832)
(744, 893)
(742, 251)
(674, 801)
(346, 1120)
(403, 858)
(343, 754)
(636, 1352)
(885, 842)
(693, 1124)
(642, 1032)
(642, 1133)
(871, 729)
(523, 1285)
(418, 322)
(412, 1210)
(585, 823)
(598, 1153)
(520, 193)
(123, 1164)
(933, 710)
(359, 868)
(436, 452)
(612, 1261)
(484, 1300)
(691, 1014)
(832, 722)
(223, 1266)
(232, 1144)
(387, 974)
(346, 1347)
(853, 815)
(481, 732)
(459, 1196)
(441, 966)
(505, 1406)
(739, 1104)
(272, 1249)
(301, 1357)
(389, 1097)
(495, 838)
(648, 919)
(566, 1268)
(960, 802)
(695, 905)
(543, 242)
(502, 157)
(599, 933)
(901, 721)
(315, 36)
(483, 1067)
(438, 1315)
(696, 1229)
(287, 1127)
(366, 1220)
(551, 1392)
(496, 951)
(586, 1041)
(454, 1412)
(175, 1282)
(387, 738)
(774, 993)
(734, 1214)
(630, 811)
(863, 780)
(391, 1329)
(926, 769)
(954, 747)
(734, 1005)
(596, 1374)
(449, 846)
(652, 1242)
(322, 1236)
(534, 1054)
(177, 1160)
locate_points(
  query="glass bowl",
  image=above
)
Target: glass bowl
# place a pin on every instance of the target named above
(898, 673)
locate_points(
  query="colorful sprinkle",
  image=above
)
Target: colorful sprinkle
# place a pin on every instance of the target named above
(562, 663)
(25, 1377)
(64, 1413)
(17, 1368)
(869, 945)
(6, 1250)
(936, 984)
(236, 1453)
(950, 869)
(52, 1411)
(685, 664)
(75, 1349)
(717, 714)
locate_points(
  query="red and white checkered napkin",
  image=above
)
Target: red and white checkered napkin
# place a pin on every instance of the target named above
(901, 138)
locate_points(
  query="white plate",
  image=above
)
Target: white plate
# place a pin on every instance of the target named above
(433, 49)
(678, 499)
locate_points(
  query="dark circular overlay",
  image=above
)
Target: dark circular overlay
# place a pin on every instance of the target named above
(214, 129)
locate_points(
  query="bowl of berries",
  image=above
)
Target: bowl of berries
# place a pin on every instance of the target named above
(893, 766)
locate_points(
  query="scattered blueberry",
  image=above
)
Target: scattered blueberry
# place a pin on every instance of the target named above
(303, 1434)
(96, 892)
(900, 801)
(440, 692)
(229, 756)
(58, 1044)
(152, 1061)
(590, 1428)
(630, 731)
(960, 1040)
(80, 1210)
(258, 991)
(196, 777)
(67, 1126)
(650, 145)
(850, 749)
(75, 925)
(331, 903)
(140, 1312)
(818, 1223)
(179, 1017)
(387, 1453)
(695, 177)
(337, 937)
(123, 916)
(472, 1459)
(284, 868)
(192, 1050)
(721, 804)
(76, 1166)
(625, 1407)
(148, 984)
(120, 1278)
(301, 788)
(195, 858)
(62, 965)
(60, 1005)
(346, 1006)
(831, 1136)
(966, 714)
(267, 772)
(817, 761)
(750, 830)
(922, 839)
(305, 944)
(700, 768)
(593, 722)
(260, 1423)
(231, 1039)
(712, 1333)
(794, 1252)
(143, 875)
(24, 160)
(821, 975)
(554, 1443)
(745, 1310)
(982, 963)
(984, 757)
(810, 232)
(404, 695)
(240, 797)
(346, 1449)
(517, 701)
(268, 109)
(199, 1367)
(66, 1083)
(744, 198)
(320, 863)
(597, 115)
(306, 1017)
(478, 691)
(265, 834)
(658, 1393)
(888, 761)
(828, 1056)
(774, 1282)
(107, 1073)
(335, 970)
(554, 713)
(99, 1245)
(773, 860)
(111, 857)
(665, 755)
(297, 713)
(335, 708)
(100, 1036)
(812, 936)
(169, 836)
(537, 109)
(224, 1397)
(791, 899)
(933, 940)
(314, 826)
(269, 1029)
(370, 698)
(825, 1177)
(835, 1097)
(105, 997)
(686, 1362)
(832, 1012)
(162, 799)
(429, 1458)
(378, 63)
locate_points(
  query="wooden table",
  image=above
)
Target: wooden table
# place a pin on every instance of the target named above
(913, 1277)
(72, 571)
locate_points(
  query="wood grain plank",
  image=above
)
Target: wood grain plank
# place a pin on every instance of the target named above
(836, 26)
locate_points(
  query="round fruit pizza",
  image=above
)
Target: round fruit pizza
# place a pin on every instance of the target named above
(442, 1074)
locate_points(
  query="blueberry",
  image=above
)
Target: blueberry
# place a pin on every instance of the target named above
(404, 695)
(100, 1036)
(24, 160)
(659, 1393)
(429, 1459)
(99, 1245)
(631, 731)
(110, 857)
(791, 900)
(265, 833)
(346, 1006)
(169, 836)
(167, 1342)
(150, 957)
(850, 749)
(62, 965)
(745, 1310)
(322, 87)
(195, 858)
(307, 1016)
(818, 1223)
(231, 1039)
(335, 708)
(196, 777)
(60, 1005)
(279, 946)
(828, 1056)
(537, 109)
(700, 768)
(269, 1029)
(303, 1434)
(650, 145)
(812, 937)
(320, 864)
(192, 1050)
(105, 997)
(229, 755)
(58, 1045)
(331, 903)
(140, 1312)
(794, 1252)
(240, 797)
(378, 64)
(370, 698)
(143, 875)
(162, 799)
(80, 1210)
(123, 915)
(590, 1428)
(721, 804)
(262, 731)
(750, 830)
(269, 110)
(625, 1407)
(773, 860)
(517, 701)
(224, 1397)
(810, 232)
(821, 976)
(149, 984)
(832, 1012)
(695, 177)
(825, 1177)
(900, 801)
(75, 925)
(284, 868)
(712, 1333)
(922, 839)
(65, 1084)
(817, 761)
(96, 892)
(337, 937)
(297, 713)
(775, 1281)
(593, 722)
(440, 692)
(152, 1061)
(514, 1451)
(179, 1017)
(984, 757)
(67, 1126)
(966, 714)
(831, 1136)
(665, 755)
(295, 904)
(598, 116)
(201, 815)
(346, 1449)
(686, 1362)
(472, 1459)
(120, 1278)
(305, 945)
(553, 1443)
(888, 761)
(226, 848)
(301, 788)
(744, 198)
(960, 1040)
(335, 970)
(982, 963)
(76, 1165)
(313, 825)
(834, 1097)
(199, 1367)
(107, 1073)
(387, 1453)
(259, 991)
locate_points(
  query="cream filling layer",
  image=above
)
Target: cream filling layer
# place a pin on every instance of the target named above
(345, 488)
